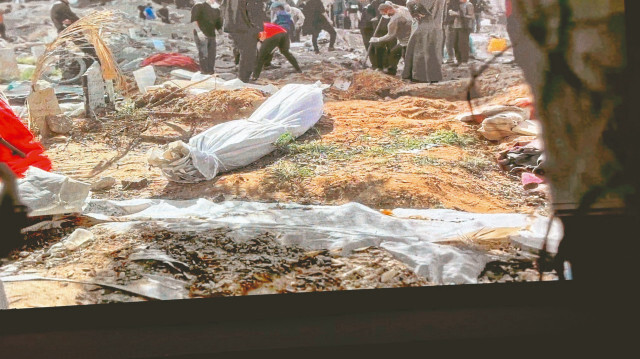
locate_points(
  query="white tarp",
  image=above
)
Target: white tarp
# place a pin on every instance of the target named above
(47, 193)
(349, 227)
(230, 145)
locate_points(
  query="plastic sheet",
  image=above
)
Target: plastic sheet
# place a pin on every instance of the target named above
(49, 193)
(348, 227)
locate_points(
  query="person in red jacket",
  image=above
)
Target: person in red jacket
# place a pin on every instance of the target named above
(273, 36)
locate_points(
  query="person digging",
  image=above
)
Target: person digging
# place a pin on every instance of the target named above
(273, 36)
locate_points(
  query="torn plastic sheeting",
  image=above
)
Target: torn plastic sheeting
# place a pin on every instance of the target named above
(349, 226)
(48, 193)
(146, 254)
(4, 302)
(533, 237)
(149, 286)
(230, 145)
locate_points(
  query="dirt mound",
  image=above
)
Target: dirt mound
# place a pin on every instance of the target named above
(368, 85)
(221, 105)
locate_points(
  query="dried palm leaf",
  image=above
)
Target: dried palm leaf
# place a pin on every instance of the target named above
(89, 31)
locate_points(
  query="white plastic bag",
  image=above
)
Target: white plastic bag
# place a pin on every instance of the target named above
(47, 193)
(227, 146)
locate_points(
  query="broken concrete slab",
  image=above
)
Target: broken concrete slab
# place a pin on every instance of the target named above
(95, 88)
(8, 65)
(145, 77)
(43, 103)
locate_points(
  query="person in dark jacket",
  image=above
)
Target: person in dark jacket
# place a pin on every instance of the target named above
(243, 21)
(273, 36)
(369, 16)
(315, 21)
(62, 16)
(462, 26)
(209, 20)
(163, 13)
(141, 14)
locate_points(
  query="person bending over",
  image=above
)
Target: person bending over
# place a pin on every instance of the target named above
(399, 28)
(273, 36)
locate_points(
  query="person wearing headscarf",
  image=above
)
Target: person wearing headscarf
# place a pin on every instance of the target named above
(423, 59)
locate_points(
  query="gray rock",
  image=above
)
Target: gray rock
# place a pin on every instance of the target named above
(103, 184)
(61, 124)
(135, 184)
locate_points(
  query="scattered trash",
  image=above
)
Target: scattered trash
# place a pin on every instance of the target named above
(342, 84)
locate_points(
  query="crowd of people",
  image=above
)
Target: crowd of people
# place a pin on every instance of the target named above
(418, 31)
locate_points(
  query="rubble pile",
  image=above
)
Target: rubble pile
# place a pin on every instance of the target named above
(218, 265)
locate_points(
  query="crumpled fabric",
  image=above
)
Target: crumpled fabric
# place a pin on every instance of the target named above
(17, 134)
(172, 59)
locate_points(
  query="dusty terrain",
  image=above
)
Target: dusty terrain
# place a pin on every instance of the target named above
(382, 142)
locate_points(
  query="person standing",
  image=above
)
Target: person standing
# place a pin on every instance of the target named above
(62, 16)
(243, 21)
(163, 13)
(273, 36)
(316, 21)
(423, 59)
(149, 13)
(281, 16)
(448, 30)
(462, 25)
(479, 7)
(369, 16)
(399, 29)
(298, 19)
(353, 8)
(208, 20)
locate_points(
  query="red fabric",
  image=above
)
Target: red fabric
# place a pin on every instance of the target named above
(17, 134)
(508, 7)
(271, 29)
(530, 180)
(172, 59)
